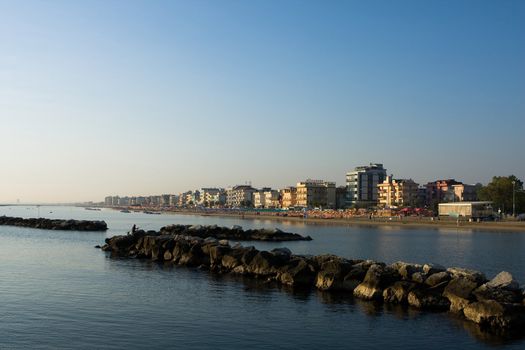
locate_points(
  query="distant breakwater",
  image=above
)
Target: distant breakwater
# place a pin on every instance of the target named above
(497, 306)
(55, 224)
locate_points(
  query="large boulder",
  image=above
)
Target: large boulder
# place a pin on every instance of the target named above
(406, 270)
(474, 275)
(332, 273)
(298, 272)
(398, 292)
(430, 269)
(264, 264)
(502, 295)
(493, 315)
(504, 280)
(428, 299)
(437, 278)
(377, 278)
(459, 293)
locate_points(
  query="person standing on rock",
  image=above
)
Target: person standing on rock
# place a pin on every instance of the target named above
(133, 229)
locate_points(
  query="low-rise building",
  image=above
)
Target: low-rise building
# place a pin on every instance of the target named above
(316, 194)
(474, 210)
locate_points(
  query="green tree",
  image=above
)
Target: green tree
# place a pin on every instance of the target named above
(500, 191)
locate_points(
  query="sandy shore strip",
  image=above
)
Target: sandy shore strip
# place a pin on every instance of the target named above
(405, 222)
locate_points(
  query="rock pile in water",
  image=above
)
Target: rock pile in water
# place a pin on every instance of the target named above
(55, 224)
(235, 233)
(497, 305)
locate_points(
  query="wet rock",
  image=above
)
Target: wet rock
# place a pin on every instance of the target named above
(495, 315)
(437, 278)
(332, 273)
(486, 292)
(298, 272)
(459, 293)
(429, 269)
(55, 224)
(428, 299)
(398, 292)
(504, 280)
(418, 277)
(468, 274)
(406, 270)
(377, 278)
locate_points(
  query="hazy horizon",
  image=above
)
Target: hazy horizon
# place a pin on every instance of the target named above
(139, 98)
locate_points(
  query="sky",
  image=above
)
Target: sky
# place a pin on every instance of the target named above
(148, 97)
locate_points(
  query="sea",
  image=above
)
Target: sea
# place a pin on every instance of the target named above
(57, 291)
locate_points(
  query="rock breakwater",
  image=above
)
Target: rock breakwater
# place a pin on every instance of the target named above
(497, 306)
(235, 233)
(55, 224)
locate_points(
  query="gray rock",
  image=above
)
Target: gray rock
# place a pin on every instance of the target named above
(282, 251)
(430, 269)
(377, 278)
(504, 280)
(437, 278)
(494, 315)
(459, 293)
(418, 277)
(406, 270)
(427, 299)
(398, 292)
(466, 273)
(485, 292)
(224, 242)
(236, 227)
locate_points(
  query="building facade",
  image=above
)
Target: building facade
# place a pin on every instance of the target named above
(316, 194)
(288, 197)
(240, 196)
(362, 184)
(397, 192)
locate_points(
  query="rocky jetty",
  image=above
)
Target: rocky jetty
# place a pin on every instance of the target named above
(497, 306)
(235, 233)
(55, 224)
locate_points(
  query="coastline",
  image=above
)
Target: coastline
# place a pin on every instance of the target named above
(406, 222)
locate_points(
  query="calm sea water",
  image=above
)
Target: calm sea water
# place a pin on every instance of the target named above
(58, 292)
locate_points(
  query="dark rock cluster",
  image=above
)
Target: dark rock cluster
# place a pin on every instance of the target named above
(55, 224)
(235, 233)
(497, 305)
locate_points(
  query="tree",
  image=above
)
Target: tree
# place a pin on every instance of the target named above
(500, 192)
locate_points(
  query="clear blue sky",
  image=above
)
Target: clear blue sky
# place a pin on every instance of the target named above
(150, 97)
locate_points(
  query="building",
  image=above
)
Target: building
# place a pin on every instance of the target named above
(316, 194)
(474, 210)
(108, 201)
(440, 191)
(271, 199)
(211, 197)
(362, 184)
(340, 197)
(240, 196)
(165, 200)
(464, 193)
(288, 197)
(397, 192)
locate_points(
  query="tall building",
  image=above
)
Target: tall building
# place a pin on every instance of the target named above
(240, 196)
(288, 197)
(211, 197)
(316, 193)
(397, 192)
(362, 184)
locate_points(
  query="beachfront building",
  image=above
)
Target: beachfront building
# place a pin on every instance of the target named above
(397, 192)
(464, 193)
(211, 197)
(288, 197)
(240, 196)
(361, 184)
(316, 194)
(448, 191)
(174, 199)
(266, 198)
(108, 201)
(472, 210)
(165, 200)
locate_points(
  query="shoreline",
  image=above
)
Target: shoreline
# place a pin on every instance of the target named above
(407, 222)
